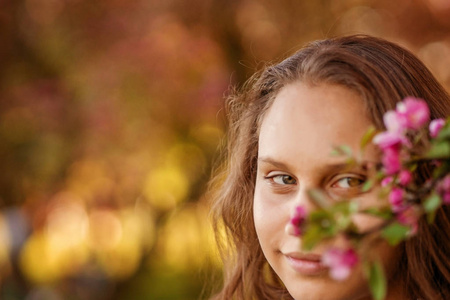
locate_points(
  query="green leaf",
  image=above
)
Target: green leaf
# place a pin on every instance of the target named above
(430, 205)
(320, 225)
(384, 213)
(377, 280)
(353, 207)
(344, 206)
(342, 213)
(312, 236)
(367, 137)
(439, 150)
(445, 132)
(380, 175)
(342, 150)
(395, 233)
(324, 221)
(367, 186)
(432, 202)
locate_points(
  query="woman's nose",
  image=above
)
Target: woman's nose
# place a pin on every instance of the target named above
(311, 198)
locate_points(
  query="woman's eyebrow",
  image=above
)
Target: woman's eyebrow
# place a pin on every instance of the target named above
(280, 164)
(273, 162)
(329, 167)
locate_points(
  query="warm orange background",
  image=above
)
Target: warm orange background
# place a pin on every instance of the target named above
(110, 121)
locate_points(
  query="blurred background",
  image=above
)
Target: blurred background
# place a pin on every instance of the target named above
(110, 124)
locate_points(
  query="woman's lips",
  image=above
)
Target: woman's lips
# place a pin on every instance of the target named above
(306, 264)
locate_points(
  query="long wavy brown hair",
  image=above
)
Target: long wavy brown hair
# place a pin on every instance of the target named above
(383, 73)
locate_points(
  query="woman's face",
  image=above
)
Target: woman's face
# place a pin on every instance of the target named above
(297, 135)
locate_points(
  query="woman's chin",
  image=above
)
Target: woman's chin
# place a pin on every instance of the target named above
(325, 288)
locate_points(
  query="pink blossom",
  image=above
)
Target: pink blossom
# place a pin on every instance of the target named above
(404, 177)
(391, 160)
(395, 122)
(387, 181)
(415, 111)
(396, 199)
(446, 198)
(445, 183)
(387, 139)
(340, 262)
(409, 217)
(436, 126)
(298, 217)
(443, 189)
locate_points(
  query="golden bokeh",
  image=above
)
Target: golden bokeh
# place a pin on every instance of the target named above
(112, 119)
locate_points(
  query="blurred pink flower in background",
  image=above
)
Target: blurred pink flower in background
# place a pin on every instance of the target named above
(297, 219)
(396, 199)
(391, 160)
(340, 262)
(409, 217)
(404, 177)
(443, 188)
(436, 126)
(414, 111)
(394, 122)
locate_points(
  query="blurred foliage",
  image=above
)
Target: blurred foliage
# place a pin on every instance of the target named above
(110, 121)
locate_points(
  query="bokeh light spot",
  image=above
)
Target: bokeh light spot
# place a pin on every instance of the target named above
(165, 187)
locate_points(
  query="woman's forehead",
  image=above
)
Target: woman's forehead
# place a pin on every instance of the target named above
(324, 104)
(312, 118)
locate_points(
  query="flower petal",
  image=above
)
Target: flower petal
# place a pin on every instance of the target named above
(436, 126)
(415, 112)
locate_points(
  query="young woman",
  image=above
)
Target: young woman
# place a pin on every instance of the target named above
(282, 127)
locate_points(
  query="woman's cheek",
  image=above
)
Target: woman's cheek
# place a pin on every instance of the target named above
(261, 206)
(270, 211)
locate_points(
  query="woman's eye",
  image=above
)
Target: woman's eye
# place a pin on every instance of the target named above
(283, 179)
(349, 182)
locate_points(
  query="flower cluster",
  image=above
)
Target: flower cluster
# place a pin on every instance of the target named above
(410, 115)
(408, 119)
(410, 144)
